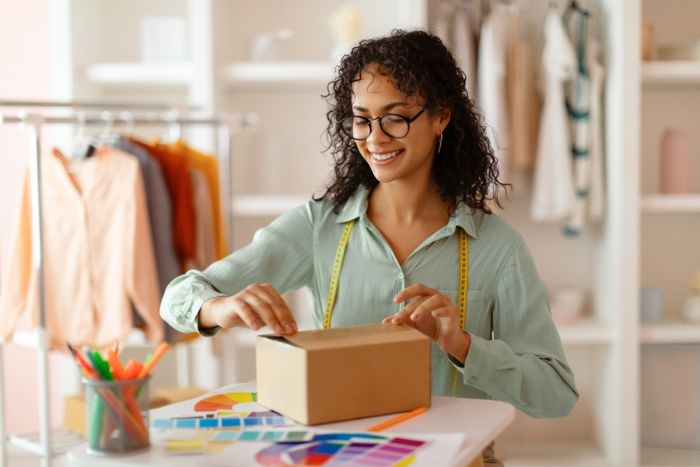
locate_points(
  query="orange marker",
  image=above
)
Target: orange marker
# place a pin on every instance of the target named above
(115, 364)
(398, 419)
(132, 369)
(162, 348)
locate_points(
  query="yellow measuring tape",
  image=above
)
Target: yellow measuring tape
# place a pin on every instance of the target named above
(461, 295)
(335, 274)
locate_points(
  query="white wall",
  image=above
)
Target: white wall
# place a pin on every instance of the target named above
(25, 54)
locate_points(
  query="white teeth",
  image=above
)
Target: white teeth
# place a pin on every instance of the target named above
(385, 156)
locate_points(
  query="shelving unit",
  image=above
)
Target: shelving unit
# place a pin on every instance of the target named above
(140, 74)
(684, 203)
(279, 74)
(266, 205)
(670, 333)
(668, 97)
(671, 73)
(558, 454)
(586, 332)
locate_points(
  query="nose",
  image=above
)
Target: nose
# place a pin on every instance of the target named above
(377, 134)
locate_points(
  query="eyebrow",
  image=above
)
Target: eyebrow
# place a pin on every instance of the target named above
(384, 108)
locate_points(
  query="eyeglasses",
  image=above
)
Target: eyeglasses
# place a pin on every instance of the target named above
(393, 125)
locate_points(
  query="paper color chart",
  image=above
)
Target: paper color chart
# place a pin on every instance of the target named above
(219, 423)
(338, 449)
(264, 436)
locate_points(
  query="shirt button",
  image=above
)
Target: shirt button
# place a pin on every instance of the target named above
(472, 379)
(188, 314)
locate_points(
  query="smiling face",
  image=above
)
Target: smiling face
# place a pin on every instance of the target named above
(391, 159)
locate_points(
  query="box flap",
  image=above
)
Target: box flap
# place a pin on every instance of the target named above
(352, 336)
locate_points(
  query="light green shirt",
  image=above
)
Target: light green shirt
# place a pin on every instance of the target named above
(522, 362)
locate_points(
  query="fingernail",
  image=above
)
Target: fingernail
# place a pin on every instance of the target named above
(289, 328)
(414, 316)
(278, 329)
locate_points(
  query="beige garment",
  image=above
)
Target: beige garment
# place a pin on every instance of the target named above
(493, 70)
(523, 105)
(205, 245)
(98, 253)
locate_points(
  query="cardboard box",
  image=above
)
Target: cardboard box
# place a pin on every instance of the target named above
(344, 373)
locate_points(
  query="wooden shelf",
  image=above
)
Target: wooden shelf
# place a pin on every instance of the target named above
(142, 74)
(671, 72)
(550, 453)
(283, 74)
(658, 203)
(266, 205)
(670, 333)
(667, 457)
(585, 332)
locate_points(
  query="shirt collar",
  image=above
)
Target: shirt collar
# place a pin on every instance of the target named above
(463, 217)
(466, 218)
(355, 207)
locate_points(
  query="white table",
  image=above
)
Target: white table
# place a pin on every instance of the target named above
(480, 421)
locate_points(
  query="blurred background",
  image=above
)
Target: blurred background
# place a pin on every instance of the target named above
(592, 107)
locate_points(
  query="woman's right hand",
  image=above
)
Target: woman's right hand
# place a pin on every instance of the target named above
(255, 306)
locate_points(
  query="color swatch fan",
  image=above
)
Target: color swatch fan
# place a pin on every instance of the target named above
(336, 449)
(224, 401)
(242, 403)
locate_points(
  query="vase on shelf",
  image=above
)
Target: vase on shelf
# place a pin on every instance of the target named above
(691, 310)
(674, 161)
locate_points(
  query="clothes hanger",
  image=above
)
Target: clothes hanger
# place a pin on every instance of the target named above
(174, 127)
(575, 7)
(128, 119)
(106, 136)
(81, 144)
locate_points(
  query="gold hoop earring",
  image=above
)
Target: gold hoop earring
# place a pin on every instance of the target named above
(439, 143)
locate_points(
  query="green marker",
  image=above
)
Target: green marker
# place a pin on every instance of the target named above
(97, 406)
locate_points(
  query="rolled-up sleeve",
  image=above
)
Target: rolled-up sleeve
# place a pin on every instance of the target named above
(280, 254)
(525, 363)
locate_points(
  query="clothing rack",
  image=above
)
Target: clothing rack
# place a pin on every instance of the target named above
(33, 120)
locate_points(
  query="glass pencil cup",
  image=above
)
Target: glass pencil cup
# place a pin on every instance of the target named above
(117, 415)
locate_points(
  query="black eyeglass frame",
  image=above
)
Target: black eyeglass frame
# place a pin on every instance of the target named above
(408, 120)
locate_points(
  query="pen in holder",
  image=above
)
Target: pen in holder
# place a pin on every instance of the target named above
(117, 415)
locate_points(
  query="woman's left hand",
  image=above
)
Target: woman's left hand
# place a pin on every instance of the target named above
(433, 314)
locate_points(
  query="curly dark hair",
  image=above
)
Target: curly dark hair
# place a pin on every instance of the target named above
(420, 65)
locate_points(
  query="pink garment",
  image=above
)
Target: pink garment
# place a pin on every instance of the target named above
(98, 253)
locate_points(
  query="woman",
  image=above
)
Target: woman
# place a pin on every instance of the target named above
(406, 206)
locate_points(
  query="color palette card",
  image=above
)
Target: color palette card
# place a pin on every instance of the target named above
(233, 423)
(184, 441)
(337, 449)
(181, 442)
(267, 436)
(184, 446)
